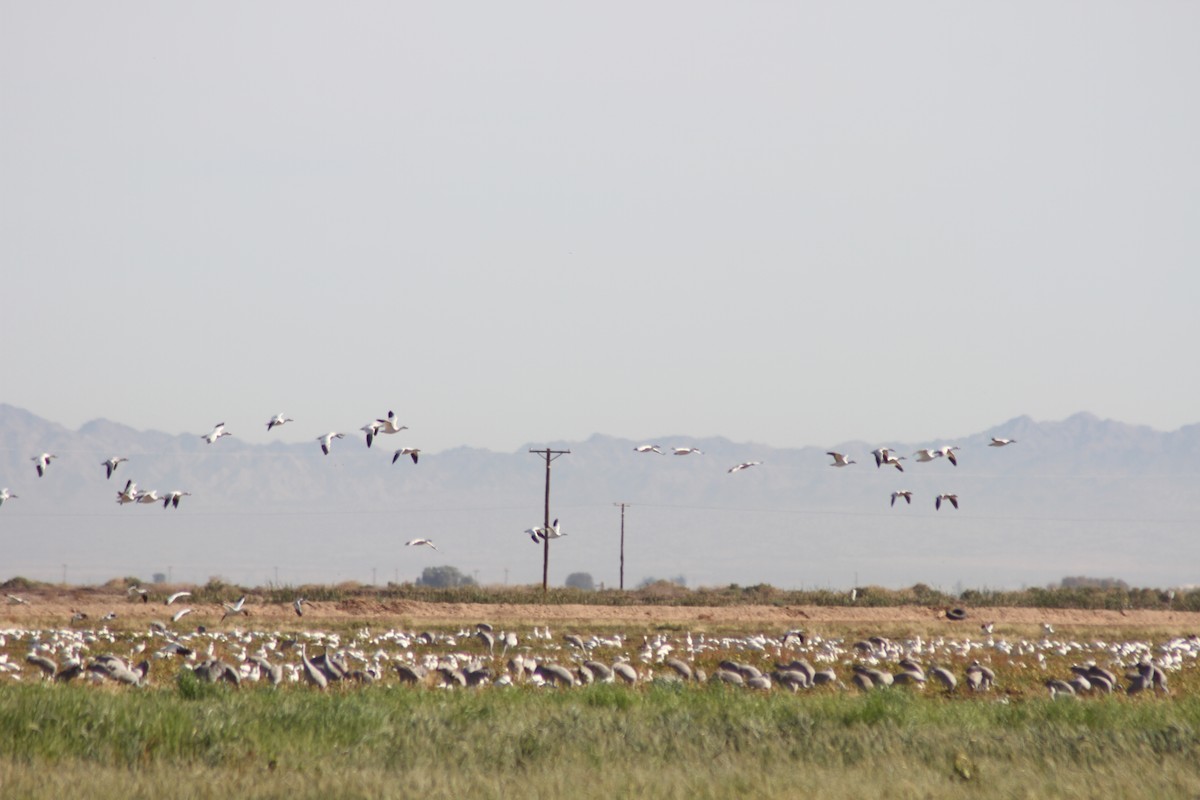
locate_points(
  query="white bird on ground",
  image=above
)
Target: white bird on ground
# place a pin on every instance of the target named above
(648, 448)
(176, 596)
(129, 494)
(687, 451)
(371, 429)
(905, 493)
(407, 451)
(4, 495)
(743, 465)
(327, 440)
(217, 432)
(839, 459)
(391, 424)
(278, 419)
(1001, 442)
(418, 542)
(149, 497)
(112, 463)
(42, 462)
(953, 498)
(172, 498)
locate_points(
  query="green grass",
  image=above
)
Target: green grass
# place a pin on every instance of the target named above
(661, 741)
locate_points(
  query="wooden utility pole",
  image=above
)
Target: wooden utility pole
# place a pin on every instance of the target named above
(549, 455)
(622, 505)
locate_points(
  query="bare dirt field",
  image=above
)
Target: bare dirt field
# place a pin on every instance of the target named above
(55, 608)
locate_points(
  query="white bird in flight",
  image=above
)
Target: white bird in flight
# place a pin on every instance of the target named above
(217, 432)
(172, 498)
(371, 429)
(948, 452)
(176, 596)
(149, 497)
(648, 448)
(540, 534)
(953, 498)
(42, 462)
(129, 494)
(4, 495)
(1001, 442)
(839, 459)
(418, 542)
(687, 451)
(327, 440)
(278, 419)
(744, 465)
(407, 451)
(905, 493)
(112, 463)
(391, 424)
(927, 455)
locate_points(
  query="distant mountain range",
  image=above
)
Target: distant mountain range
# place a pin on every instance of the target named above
(1081, 496)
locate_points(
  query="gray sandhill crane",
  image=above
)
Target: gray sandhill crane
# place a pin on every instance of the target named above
(951, 498)
(905, 493)
(298, 606)
(46, 665)
(840, 459)
(172, 498)
(411, 452)
(311, 674)
(277, 420)
(111, 464)
(327, 440)
(217, 432)
(42, 462)
(6, 495)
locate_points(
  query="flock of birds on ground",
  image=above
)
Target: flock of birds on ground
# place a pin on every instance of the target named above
(794, 660)
(132, 494)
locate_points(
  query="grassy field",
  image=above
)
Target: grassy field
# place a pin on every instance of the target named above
(204, 740)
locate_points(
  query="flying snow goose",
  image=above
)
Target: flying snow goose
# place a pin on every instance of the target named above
(172, 498)
(882, 454)
(172, 598)
(648, 448)
(112, 463)
(687, 451)
(925, 456)
(371, 429)
(391, 424)
(948, 452)
(217, 432)
(839, 459)
(905, 493)
(1001, 442)
(327, 440)
(42, 462)
(407, 451)
(743, 465)
(129, 494)
(418, 542)
(4, 495)
(278, 419)
(953, 498)
(892, 461)
(149, 497)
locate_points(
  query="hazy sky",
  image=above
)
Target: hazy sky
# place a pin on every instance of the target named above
(788, 222)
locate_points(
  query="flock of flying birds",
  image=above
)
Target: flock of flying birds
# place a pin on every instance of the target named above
(883, 457)
(132, 494)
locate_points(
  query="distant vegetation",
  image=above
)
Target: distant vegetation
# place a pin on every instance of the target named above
(448, 584)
